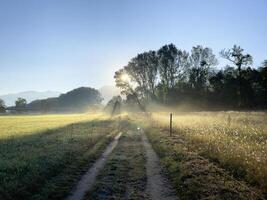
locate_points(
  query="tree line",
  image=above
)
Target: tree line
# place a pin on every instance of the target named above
(79, 99)
(173, 76)
(20, 104)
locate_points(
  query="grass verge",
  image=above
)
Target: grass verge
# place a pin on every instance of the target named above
(193, 176)
(236, 141)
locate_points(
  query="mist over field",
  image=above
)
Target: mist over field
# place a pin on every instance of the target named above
(133, 100)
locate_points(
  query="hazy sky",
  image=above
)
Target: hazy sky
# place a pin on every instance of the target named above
(63, 44)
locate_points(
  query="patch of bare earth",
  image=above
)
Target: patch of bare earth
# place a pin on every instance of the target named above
(89, 177)
(124, 175)
(158, 186)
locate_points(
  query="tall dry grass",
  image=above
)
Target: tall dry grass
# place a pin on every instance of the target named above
(236, 140)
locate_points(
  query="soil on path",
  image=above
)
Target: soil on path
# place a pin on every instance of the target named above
(89, 177)
(158, 186)
(124, 175)
(131, 171)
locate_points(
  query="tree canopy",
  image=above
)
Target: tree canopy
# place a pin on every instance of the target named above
(20, 103)
(2, 106)
(172, 76)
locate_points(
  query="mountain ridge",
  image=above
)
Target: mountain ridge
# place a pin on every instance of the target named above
(29, 95)
(106, 91)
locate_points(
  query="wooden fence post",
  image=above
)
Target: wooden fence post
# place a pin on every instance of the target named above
(171, 124)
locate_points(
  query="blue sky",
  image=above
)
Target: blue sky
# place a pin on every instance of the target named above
(63, 44)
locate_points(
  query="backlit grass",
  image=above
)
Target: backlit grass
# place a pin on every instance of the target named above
(46, 162)
(235, 140)
(19, 125)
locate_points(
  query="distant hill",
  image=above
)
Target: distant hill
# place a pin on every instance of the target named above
(108, 91)
(28, 95)
(79, 99)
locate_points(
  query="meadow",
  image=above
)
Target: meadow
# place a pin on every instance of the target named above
(20, 125)
(43, 156)
(234, 141)
(210, 155)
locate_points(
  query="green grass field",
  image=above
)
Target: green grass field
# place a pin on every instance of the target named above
(20, 125)
(210, 155)
(42, 157)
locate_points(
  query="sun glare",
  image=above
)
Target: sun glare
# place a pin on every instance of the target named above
(125, 78)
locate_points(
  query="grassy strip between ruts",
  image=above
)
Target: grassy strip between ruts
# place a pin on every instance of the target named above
(48, 164)
(194, 176)
(124, 175)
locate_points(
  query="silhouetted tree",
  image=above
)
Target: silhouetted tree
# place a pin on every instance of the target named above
(200, 61)
(142, 72)
(21, 103)
(114, 105)
(224, 86)
(122, 80)
(125, 81)
(138, 70)
(175, 76)
(151, 62)
(167, 68)
(241, 60)
(2, 106)
(263, 82)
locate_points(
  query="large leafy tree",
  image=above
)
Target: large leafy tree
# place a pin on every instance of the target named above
(167, 65)
(139, 77)
(172, 66)
(142, 70)
(182, 65)
(241, 60)
(201, 60)
(174, 75)
(151, 65)
(123, 81)
(126, 84)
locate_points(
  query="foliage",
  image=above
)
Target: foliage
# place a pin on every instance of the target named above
(42, 157)
(200, 62)
(2, 106)
(21, 103)
(113, 107)
(237, 141)
(76, 100)
(174, 76)
(241, 60)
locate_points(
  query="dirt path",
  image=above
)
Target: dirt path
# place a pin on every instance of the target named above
(158, 186)
(89, 177)
(131, 171)
(124, 175)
